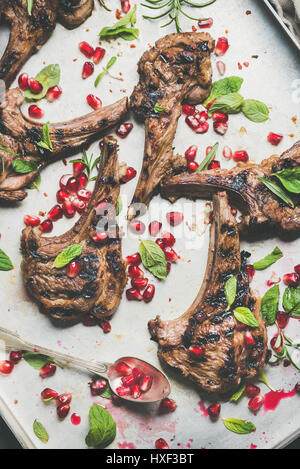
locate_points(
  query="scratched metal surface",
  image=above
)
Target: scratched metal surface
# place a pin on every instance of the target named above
(272, 77)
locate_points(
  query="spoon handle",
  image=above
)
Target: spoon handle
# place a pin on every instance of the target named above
(11, 341)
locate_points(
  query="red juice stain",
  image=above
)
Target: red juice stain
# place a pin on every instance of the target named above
(203, 409)
(272, 399)
(126, 445)
(252, 446)
(75, 419)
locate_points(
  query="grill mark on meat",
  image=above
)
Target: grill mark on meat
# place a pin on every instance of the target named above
(227, 361)
(176, 70)
(261, 209)
(98, 288)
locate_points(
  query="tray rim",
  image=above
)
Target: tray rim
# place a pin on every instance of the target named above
(279, 20)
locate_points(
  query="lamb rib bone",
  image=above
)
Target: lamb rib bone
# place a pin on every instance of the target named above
(98, 287)
(21, 135)
(176, 70)
(208, 324)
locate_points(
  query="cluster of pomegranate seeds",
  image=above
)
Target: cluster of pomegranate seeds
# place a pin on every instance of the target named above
(48, 370)
(133, 381)
(222, 46)
(214, 411)
(94, 102)
(97, 386)
(125, 5)
(197, 121)
(124, 129)
(31, 221)
(274, 139)
(141, 290)
(63, 401)
(205, 23)
(292, 279)
(161, 444)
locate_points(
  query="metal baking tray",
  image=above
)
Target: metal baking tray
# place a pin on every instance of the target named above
(295, 40)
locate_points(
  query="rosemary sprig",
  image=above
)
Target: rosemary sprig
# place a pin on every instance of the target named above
(173, 10)
(103, 5)
(90, 164)
(6, 150)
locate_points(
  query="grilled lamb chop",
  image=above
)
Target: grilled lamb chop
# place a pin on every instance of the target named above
(262, 210)
(98, 287)
(29, 33)
(176, 69)
(21, 135)
(207, 323)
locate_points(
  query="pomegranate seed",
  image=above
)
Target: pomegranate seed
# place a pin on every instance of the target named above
(206, 23)
(137, 374)
(214, 411)
(124, 129)
(149, 293)
(116, 400)
(68, 209)
(282, 319)
(46, 226)
(154, 228)
(128, 380)
(196, 352)
(227, 153)
(84, 195)
(98, 55)
(55, 213)
(174, 218)
(167, 406)
(89, 321)
(35, 112)
(97, 386)
(170, 255)
(168, 239)
(252, 390)
(23, 81)
(123, 369)
(53, 94)
(135, 272)
(250, 271)
(78, 168)
(63, 411)
(133, 295)
(100, 237)
(203, 128)
(105, 326)
(274, 139)
(48, 370)
(31, 221)
(160, 243)
(6, 367)
(64, 181)
(222, 46)
(16, 357)
(86, 49)
(297, 269)
(72, 185)
(82, 181)
(79, 205)
(221, 67)
(123, 391)
(64, 399)
(136, 392)
(146, 383)
(188, 110)
(249, 339)
(214, 165)
(94, 102)
(88, 70)
(201, 117)
(161, 444)
(73, 269)
(135, 259)
(191, 153)
(125, 5)
(139, 283)
(220, 117)
(277, 349)
(137, 227)
(297, 388)
(192, 166)
(291, 280)
(192, 122)
(61, 196)
(241, 155)
(35, 86)
(208, 150)
(48, 394)
(130, 174)
(256, 403)
(220, 128)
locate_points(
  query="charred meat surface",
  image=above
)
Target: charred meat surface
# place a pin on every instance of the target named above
(21, 136)
(28, 33)
(208, 324)
(176, 70)
(262, 209)
(98, 287)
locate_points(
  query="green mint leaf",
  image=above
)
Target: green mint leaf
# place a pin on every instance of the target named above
(157, 108)
(291, 301)
(102, 428)
(29, 6)
(245, 316)
(99, 78)
(277, 191)
(229, 104)
(5, 262)
(153, 259)
(48, 77)
(46, 143)
(120, 28)
(107, 393)
(230, 291)
(224, 86)
(67, 255)
(236, 396)
(119, 206)
(269, 305)
(24, 166)
(242, 427)
(290, 179)
(36, 183)
(36, 360)
(262, 379)
(208, 159)
(40, 432)
(270, 259)
(111, 62)
(256, 111)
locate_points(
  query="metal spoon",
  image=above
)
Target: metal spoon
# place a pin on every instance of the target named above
(10, 341)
